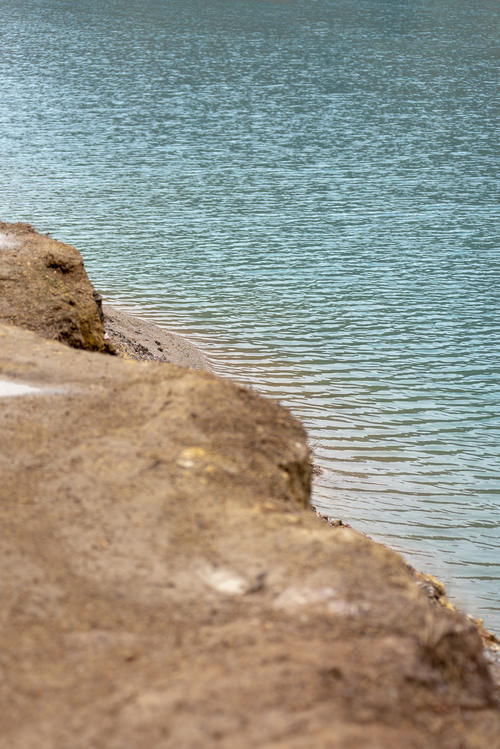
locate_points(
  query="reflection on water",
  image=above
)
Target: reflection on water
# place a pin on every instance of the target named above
(309, 189)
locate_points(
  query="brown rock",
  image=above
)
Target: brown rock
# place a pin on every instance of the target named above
(165, 584)
(44, 287)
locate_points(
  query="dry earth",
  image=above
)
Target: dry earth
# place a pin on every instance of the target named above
(165, 583)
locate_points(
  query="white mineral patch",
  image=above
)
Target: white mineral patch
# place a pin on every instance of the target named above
(293, 597)
(16, 388)
(7, 241)
(344, 608)
(223, 580)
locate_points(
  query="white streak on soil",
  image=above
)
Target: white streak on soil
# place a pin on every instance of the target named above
(16, 388)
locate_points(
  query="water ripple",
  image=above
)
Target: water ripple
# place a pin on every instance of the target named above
(308, 191)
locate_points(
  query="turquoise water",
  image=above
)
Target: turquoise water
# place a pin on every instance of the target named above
(309, 189)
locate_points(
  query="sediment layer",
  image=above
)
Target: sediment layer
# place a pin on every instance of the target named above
(166, 584)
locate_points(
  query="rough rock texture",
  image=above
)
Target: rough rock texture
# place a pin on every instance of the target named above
(44, 287)
(166, 585)
(139, 339)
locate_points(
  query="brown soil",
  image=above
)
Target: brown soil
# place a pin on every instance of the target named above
(166, 584)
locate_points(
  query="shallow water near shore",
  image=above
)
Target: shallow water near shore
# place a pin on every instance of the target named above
(309, 190)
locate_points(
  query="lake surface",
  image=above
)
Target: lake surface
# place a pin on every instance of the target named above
(309, 189)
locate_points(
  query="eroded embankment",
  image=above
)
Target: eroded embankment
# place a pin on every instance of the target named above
(165, 583)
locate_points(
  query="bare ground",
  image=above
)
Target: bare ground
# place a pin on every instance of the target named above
(136, 338)
(166, 584)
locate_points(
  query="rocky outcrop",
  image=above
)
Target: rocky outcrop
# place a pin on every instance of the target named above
(166, 584)
(44, 287)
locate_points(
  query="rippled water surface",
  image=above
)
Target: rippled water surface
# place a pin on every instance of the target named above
(308, 188)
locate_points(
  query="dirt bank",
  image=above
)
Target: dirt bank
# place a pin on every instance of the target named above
(166, 583)
(140, 339)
